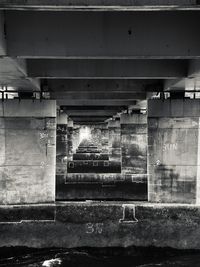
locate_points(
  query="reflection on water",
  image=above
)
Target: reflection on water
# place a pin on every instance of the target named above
(99, 257)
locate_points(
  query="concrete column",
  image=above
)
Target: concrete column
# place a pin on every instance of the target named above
(134, 146)
(105, 139)
(70, 138)
(61, 143)
(115, 141)
(27, 151)
(173, 150)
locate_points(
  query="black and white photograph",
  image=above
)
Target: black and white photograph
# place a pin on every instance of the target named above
(99, 133)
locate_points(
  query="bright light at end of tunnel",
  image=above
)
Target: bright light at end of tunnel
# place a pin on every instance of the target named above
(85, 133)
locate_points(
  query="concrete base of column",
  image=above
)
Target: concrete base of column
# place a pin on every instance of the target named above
(97, 224)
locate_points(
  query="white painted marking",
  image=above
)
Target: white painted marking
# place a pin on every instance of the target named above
(158, 162)
(131, 208)
(170, 146)
(96, 228)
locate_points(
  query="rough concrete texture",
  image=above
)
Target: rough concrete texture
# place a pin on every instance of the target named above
(43, 37)
(107, 224)
(101, 182)
(29, 108)
(173, 158)
(61, 144)
(27, 154)
(115, 141)
(100, 187)
(134, 150)
(19, 213)
(173, 108)
(134, 143)
(62, 118)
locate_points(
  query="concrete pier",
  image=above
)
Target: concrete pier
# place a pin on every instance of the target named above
(100, 224)
(27, 154)
(100, 123)
(173, 141)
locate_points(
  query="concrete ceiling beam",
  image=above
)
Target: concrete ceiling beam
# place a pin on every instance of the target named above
(189, 84)
(91, 113)
(13, 73)
(91, 108)
(107, 68)
(194, 69)
(94, 102)
(89, 118)
(176, 84)
(97, 95)
(99, 85)
(103, 34)
(99, 5)
(192, 82)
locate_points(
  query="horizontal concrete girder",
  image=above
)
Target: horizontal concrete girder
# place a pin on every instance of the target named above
(13, 73)
(192, 82)
(91, 112)
(106, 68)
(99, 4)
(194, 69)
(91, 108)
(103, 34)
(89, 118)
(95, 102)
(97, 95)
(108, 85)
(178, 84)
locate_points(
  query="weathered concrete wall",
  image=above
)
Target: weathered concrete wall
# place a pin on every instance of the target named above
(173, 143)
(107, 184)
(134, 143)
(114, 141)
(134, 151)
(61, 143)
(97, 224)
(27, 154)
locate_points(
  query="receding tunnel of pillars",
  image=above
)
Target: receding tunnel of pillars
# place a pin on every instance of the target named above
(136, 156)
(102, 160)
(153, 156)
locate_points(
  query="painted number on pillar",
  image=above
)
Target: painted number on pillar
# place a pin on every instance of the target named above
(94, 228)
(170, 147)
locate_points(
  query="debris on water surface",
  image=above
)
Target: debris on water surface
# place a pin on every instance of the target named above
(52, 263)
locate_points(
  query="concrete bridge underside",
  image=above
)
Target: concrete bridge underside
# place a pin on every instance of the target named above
(127, 73)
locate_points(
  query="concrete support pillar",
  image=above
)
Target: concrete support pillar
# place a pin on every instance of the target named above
(114, 140)
(61, 143)
(27, 151)
(173, 150)
(70, 138)
(134, 146)
(105, 139)
(134, 153)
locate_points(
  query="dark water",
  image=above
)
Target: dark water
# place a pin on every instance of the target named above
(99, 257)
